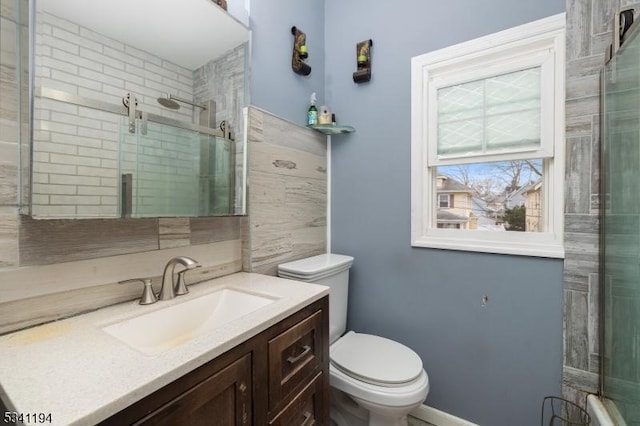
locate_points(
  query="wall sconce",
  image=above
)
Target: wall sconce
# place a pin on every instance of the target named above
(363, 52)
(299, 52)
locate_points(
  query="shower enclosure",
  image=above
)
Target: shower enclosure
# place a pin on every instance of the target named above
(620, 233)
(144, 165)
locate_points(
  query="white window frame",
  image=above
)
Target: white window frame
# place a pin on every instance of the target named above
(539, 43)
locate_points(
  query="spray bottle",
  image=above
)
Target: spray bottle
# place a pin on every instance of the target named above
(312, 112)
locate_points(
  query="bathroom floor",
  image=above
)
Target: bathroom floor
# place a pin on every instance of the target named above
(416, 422)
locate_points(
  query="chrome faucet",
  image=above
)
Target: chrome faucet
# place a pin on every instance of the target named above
(169, 290)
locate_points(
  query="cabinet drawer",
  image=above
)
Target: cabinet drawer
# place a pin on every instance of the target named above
(294, 356)
(306, 408)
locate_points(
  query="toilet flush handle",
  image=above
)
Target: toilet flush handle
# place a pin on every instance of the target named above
(305, 350)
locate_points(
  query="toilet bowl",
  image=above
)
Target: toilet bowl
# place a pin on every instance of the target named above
(375, 381)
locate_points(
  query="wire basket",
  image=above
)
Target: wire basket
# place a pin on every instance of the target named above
(560, 412)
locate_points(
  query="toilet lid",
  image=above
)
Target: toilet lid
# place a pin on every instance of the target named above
(376, 360)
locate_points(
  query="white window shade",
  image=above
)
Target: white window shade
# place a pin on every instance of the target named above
(496, 114)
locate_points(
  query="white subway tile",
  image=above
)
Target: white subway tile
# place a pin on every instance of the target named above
(74, 159)
(98, 190)
(142, 55)
(52, 126)
(41, 157)
(74, 199)
(74, 180)
(98, 211)
(112, 164)
(97, 134)
(105, 181)
(99, 38)
(99, 57)
(74, 119)
(53, 211)
(106, 201)
(97, 153)
(59, 85)
(58, 46)
(75, 79)
(76, 140)
(56, 148)
(97, 171)
(101, 76)
(54, 189)
(54, 168)
(54, 21)
(39, 177)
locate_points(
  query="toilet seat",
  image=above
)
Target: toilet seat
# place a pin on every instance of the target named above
(375, 360)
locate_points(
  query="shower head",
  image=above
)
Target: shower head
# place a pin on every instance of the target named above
(171, 102)
(167, 102)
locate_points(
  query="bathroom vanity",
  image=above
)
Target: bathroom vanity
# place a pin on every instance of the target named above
(269, 366)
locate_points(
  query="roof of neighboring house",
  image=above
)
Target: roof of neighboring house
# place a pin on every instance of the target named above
(448, 217)
(452, 185)
(524, 189)
(535, 186)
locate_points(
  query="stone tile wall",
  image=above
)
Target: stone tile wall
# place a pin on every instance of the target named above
(287, 193)
(589, 34)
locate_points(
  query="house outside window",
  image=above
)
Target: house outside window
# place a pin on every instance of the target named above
(443, 200)
(488, 118)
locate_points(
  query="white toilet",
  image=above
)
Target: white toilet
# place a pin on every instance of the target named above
(374, 381)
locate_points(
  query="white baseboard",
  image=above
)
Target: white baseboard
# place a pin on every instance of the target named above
(437, 417)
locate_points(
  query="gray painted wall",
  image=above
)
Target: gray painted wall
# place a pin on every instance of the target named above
(493, 364)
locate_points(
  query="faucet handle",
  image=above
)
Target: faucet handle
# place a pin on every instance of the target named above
(181, 285)
(148, 297)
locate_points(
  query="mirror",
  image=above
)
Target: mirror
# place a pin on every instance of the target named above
(137, 109)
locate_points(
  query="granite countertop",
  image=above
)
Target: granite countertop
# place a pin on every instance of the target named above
(81, 375)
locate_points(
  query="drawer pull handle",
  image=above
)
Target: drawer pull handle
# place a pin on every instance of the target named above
(294, 359)
(307, 417)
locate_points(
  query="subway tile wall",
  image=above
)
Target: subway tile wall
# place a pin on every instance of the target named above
(76, 149)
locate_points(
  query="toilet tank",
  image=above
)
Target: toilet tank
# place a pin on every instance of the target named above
(327, 269)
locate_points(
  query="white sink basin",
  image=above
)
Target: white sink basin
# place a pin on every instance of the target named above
(163, 329)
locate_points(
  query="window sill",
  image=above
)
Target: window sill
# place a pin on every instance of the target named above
(546, 248)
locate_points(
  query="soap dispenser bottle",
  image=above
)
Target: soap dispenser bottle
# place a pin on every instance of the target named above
(312, 112)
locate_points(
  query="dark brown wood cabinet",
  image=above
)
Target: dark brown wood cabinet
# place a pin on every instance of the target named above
(278, 377)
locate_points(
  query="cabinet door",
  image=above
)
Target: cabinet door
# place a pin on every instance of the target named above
(223, 399)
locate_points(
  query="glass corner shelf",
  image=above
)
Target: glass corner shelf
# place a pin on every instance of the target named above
(332, 129)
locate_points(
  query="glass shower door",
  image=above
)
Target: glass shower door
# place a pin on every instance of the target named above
(620, 247)
(174, 172)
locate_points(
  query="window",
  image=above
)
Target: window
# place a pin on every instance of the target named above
(488, 143)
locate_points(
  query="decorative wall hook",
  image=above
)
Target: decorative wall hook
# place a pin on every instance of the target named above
(299, 52)
(363, 52)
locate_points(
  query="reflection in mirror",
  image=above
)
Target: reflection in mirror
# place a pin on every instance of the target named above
(138, 117)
